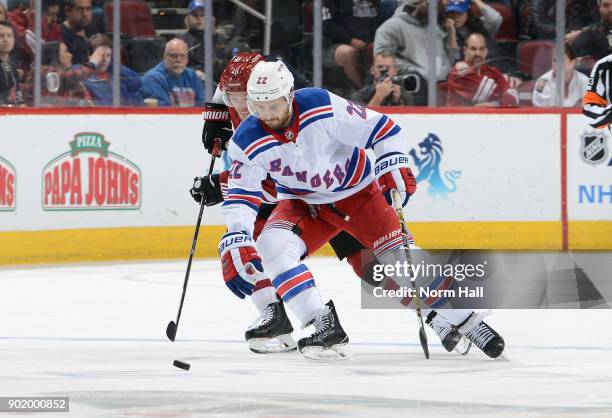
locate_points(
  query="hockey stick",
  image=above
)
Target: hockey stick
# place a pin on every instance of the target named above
(397, 205)
(172, 326)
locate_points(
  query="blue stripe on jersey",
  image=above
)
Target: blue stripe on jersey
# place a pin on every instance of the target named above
(351, 167)
(366, 172)
(393, 131)
(288, 190)
(324, 115)
(311, 97)
(249, 132)
(243, 191)
(379, 125)
(251, 205)
(259, 150)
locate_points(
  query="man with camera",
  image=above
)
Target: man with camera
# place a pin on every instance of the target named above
(387, 88)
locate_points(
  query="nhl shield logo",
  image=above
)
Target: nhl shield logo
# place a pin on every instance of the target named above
(289, 135)
(594, 149)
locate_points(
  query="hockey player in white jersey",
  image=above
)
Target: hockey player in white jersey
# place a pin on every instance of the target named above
(271, 332)
(313, 145)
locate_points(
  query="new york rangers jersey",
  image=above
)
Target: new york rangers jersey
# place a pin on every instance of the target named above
(320, 158)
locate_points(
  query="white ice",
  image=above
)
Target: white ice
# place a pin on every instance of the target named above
(96, 333)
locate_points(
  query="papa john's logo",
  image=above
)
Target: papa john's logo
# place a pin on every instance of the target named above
(428, 164)
(8, 177)
(90, 177)
(593, 148)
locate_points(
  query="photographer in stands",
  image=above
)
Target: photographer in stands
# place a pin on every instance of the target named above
(387, 88)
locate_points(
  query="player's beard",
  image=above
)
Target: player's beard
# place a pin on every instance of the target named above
(278, 123)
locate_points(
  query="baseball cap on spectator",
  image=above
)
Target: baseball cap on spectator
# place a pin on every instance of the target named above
(195, 5)
(459, 6)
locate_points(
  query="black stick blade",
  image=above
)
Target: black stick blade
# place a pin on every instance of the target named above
(181, 364)
(171, 331)
(423, 338)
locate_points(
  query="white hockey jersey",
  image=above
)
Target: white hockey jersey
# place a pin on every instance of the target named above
(320, 158)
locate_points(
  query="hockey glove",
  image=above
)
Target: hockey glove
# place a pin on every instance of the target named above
(241, 263)
(217, 125)
(392, 172)
(213, 189)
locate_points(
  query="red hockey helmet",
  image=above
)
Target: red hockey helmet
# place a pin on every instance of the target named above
(236, 73)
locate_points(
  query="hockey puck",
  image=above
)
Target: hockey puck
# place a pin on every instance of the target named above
(181, 364)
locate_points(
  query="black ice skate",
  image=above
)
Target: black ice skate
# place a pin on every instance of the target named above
(271, 332)
(448, 333)
(482, 335)
(329, 341)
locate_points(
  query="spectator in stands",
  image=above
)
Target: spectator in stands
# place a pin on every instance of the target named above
(100, 82)
(578, 14)
(349, 26)
(487, 25)
(459, 11)
(405, 35)
(596, 39)
(381, 91)
(22, 19)
(576, 84)
(51, 9)
(193, 37)
(170, 82)
(10, 94)
(62, 82)
(474, 83)
(77, 29)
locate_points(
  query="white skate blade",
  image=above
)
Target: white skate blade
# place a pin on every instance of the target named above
(281, 344)
(338, 352)
(463, 346)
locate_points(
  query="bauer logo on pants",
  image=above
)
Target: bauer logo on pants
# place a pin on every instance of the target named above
(7, 186)
(90, 177)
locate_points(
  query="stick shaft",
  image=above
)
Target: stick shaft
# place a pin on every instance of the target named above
(193, 245)
(397, 205)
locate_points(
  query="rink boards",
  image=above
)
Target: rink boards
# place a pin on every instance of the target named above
(113, 184)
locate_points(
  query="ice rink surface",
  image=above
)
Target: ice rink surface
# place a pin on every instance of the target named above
(96, 333)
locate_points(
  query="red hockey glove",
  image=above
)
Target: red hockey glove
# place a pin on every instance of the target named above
(241, 263)
(392, 172)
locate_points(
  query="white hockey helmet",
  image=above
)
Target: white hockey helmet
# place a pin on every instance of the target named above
(269, 81)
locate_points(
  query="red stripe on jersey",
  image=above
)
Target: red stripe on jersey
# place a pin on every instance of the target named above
(384, 130)
(253, 199)
(314, 112)
(258, 143)
(361, 162)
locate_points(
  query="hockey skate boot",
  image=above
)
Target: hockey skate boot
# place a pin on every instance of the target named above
(448, 333)
(482, 335)
(329, 341)
(271, 332)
